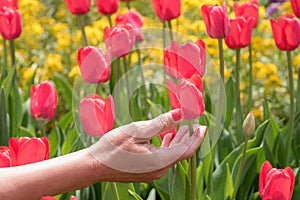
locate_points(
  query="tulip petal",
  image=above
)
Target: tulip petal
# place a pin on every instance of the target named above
(264, 170)
(172, 91)
(292, 177)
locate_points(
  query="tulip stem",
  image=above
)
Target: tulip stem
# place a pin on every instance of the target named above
(81, 25)
(128, 5)
(140, 62)
(12, 52)
(221, 55)
(238, 110)
(126, 77)
(192, 167)
(5, 57)
(171, 30)
(164, 34)
(249, 103)
(109, 20)
(292, 106)
(242, 163)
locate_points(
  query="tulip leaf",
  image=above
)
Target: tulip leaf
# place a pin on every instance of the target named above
(298, 93)
(152, 195)
(15, 109)
(229, 184)
(177, 184)
(71, 141)
(8, 82)
(4, 120)
(64, 86)
(118, 191)
(200, 181)
(162, 187)
(229, 88)
(135, 195)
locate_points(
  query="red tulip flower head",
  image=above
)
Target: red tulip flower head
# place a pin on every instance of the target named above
(43, 101)
(97, 115)
(240, 33)
(72, 197)
(172, 131)
(10, 23)
(182, 61)
(28, 150)
(5, 160)
(188, 96)
(216, 20)
(276, 183)
(167, 9)
(286, 32)
(296, 7)
(247, 10)
(135, 19)
(9, 3)
(107, 7)
(78, 7)
(94, 64)
(119, 40)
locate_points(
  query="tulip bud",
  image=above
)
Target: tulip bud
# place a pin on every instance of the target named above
(77, 7)
(249, 124)
(107, 7)
(10, 23)
(167, 9)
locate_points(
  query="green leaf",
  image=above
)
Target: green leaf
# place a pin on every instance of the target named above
(4, 120)
(200, 181)
(162, 187)
(135, 195)
(15, 109)
(118, 191)
(229, 88)
(152, 195)
(71, 141)
(178, 182)
(65, 87)
(229, 184)
(8, 82)
(298, 93)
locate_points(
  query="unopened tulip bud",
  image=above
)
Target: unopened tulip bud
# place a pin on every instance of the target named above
(249, 124)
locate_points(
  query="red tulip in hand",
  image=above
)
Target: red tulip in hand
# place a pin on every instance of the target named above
(26, 150)
(94, 64)
(107, 7)
(43, 101)
(286, 31)
(167, 9)
(78, 7)
(10, 23)
(276, 183)
(182, 61)
(216, 20)
(247, 10)
(240, 33)
(187, 95)
(97, 115)
(119, 40)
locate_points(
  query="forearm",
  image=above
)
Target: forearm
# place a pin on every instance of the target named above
(50, 177)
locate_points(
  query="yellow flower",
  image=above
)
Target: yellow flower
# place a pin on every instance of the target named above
(74, 71)
(28, 73)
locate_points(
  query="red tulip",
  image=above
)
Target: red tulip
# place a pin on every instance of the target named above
(10, 23)
(276, 183)
(78, 7)
(187, 95)
(94, 64)
(28, 150)
(240, 33)
(5, 160)
(43, 101)
(9, 3)
(296, 7)
(172, 131)
(182, 61)
(119, 40)
(97, 115)
(286, 31)
(72, 197)
(135, 19)
(216, 20)
(167, 9)
(246, 10)
(107, 7)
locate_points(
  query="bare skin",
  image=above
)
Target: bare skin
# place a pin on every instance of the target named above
(85, 167)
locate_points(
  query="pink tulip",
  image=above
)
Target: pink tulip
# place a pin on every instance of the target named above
(5, 160)
(119, 39)
(10, 23)
(78, 7)
(286, 31)
(26, 150)
(276, 183)
(9, 3)
(107, 7)
(97, 115)
(135, 19)
(240, 33)
(188, 96)
(167, 9)
(43, 101)
(247, 10)
(94, 64)
(182, 61)
(216, 20)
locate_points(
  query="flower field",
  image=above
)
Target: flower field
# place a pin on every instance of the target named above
(72, 71)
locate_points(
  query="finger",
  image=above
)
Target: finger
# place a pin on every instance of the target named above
(167, 139)
(151, 128)
(180, 133)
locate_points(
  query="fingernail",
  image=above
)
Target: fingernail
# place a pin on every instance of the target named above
(176, 114)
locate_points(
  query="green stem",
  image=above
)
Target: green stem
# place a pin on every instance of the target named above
(242, 163)
(170, 29)
(164, 34)
(5, 55)
(12, 52)
(128, 5)
(109, 20)
(140, 62)
(126, 77)
(221, 55)
(193, 166)
(249, 103)
(238, 111)
(81, 25)
(292, 106)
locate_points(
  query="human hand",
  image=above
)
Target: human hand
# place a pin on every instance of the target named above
(126, 155)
